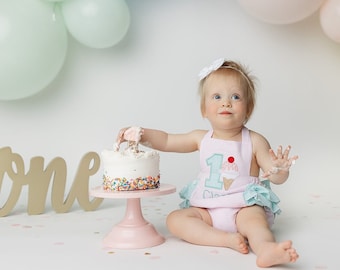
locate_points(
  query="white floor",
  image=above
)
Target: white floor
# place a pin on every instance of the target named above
(73, 240)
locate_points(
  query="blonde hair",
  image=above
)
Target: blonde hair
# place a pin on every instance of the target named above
(247, 82)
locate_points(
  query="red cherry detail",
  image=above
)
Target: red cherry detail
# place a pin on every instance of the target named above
(231, 159)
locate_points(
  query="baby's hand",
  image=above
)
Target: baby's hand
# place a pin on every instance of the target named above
(281, 161)
(131, 134)
(120, 138)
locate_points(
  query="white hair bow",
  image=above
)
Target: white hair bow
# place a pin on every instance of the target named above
(214, 66)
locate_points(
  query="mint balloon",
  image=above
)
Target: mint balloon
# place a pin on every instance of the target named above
(96, 23)
(33, 46)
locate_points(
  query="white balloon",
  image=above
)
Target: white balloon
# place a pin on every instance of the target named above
(330, 19)
(97, 23)
(281, 11)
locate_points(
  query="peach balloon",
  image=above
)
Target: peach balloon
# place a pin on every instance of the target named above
(281, 11)
(330, 19)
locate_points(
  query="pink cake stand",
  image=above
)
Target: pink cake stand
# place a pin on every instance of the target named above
(133, 231)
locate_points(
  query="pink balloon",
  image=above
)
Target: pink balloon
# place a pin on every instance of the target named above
(281, 11)
(330, 19)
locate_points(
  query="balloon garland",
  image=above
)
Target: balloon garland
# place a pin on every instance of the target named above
(33, 33)
(34, 37)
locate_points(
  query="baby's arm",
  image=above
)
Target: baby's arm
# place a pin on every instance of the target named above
(166, 142)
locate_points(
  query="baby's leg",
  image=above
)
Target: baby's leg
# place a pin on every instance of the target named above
(194, 225)
(252, 223)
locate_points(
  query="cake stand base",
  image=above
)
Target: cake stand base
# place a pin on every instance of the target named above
(133, 231)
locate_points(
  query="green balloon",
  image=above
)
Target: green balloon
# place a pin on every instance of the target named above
(96, 23)
(33, 46)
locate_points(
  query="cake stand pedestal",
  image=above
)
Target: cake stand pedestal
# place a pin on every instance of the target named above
(133, 231)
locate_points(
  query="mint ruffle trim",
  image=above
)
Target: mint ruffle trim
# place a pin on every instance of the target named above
(185, 194)
(262, 195)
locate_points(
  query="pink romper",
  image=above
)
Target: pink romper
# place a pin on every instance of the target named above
(224, 184)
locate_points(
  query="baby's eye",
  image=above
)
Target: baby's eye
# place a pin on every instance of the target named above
(235, 97)
(216, 96)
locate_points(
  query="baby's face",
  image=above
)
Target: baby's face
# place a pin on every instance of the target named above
(225, 102)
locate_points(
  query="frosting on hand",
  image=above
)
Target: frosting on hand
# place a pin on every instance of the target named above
(132, 135)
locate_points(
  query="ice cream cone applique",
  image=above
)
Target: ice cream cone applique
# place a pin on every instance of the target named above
(227, 183)
(229, 172)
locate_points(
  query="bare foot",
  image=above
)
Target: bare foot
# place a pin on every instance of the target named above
(276, 253)
(237, 242)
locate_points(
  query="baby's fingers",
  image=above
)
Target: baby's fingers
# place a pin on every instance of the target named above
(278, 154)
(120, 138)
(272, 154)
(279, 151)
(292, 160)
(286, 152)
(120, 135)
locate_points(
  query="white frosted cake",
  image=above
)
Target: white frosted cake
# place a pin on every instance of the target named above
(130, 169)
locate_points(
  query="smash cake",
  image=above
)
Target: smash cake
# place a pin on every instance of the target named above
(130, 169)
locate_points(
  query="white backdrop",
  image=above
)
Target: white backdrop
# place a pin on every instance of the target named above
(150, 79)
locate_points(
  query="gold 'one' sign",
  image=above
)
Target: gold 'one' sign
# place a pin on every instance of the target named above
(38, 179)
